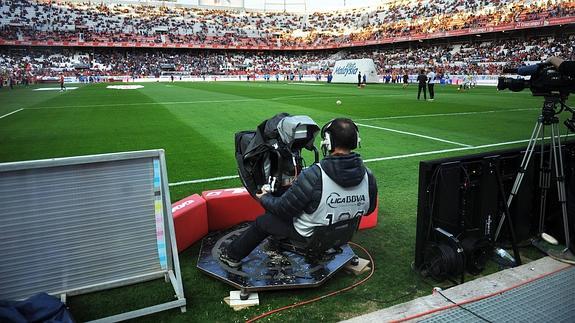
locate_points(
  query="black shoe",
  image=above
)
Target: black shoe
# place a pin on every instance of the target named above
(229, 261)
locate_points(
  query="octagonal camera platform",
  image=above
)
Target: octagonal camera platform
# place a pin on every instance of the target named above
(267, 268)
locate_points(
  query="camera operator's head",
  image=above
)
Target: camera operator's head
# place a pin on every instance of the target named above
(339, 136)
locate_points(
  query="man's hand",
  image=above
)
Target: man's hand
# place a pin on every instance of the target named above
(260, 194)
(265, 190)
(555, 61)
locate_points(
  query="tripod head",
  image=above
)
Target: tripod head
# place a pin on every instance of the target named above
(549, 111)
(553, 106)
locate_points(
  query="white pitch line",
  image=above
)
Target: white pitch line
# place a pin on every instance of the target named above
(443, 114)
(452, 149)
(203, 180)
(292, 97)
(114, 105)
(11, 113)
(414, 134)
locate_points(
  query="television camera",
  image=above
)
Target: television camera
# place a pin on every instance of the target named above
(270, 158)
(547, 81)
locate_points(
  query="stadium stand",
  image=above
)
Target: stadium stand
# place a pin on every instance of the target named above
(81, 23)
(485, 57)
(89, 40)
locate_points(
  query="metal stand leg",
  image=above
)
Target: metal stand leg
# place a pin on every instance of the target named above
(560, 176)
(544, 183)
(516, 254)
(548, 117)
(244, 294)
(521, 173)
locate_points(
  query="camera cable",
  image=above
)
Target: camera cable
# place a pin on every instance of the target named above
(253, 319)
(461, 306)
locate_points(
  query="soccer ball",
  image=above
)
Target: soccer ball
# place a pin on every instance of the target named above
(338, 102)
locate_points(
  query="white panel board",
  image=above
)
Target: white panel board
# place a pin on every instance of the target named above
(345, 71)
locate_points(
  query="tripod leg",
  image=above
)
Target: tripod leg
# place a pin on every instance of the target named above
(560, 175)
(521, 173)
(510, 221)
(544, 181)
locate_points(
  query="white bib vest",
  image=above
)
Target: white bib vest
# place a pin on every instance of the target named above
(337, 204)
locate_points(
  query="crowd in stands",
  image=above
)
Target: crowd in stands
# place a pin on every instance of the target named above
(104, 22)
(486, 57)
(481, 57)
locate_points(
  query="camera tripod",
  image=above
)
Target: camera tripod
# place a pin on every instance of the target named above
(548, 117)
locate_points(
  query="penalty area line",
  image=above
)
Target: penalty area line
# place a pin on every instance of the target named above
(230, 101)
(414, 134)
(11, 113)
(453, 149)
(443, 114)
(372, 160)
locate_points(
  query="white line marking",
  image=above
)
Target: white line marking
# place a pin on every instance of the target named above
(414, 134)
(203, 180)
(443, 114)
(291, 97)
(55, 88)
(7, 114)
(310, 84)
(114, 105)
(452, 149)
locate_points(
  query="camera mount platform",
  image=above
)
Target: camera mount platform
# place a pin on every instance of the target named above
(267, 269)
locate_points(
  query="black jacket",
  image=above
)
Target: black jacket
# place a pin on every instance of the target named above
(305, 194)
(422, 79)
(567, 68)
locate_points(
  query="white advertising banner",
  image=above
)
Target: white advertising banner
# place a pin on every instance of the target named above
(346, 71)
(222, 3)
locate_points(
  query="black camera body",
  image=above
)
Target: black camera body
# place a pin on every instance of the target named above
(545, 80)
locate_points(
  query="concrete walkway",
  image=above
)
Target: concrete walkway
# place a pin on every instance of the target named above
(474, 289)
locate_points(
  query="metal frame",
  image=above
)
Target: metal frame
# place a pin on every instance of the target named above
(172, 274)
(548, 117)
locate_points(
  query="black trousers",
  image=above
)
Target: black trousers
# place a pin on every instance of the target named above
(431, 91)
(265, 225)
(422, 88)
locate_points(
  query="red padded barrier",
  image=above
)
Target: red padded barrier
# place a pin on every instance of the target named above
(190, 220)
(369, 221)
(228, 207)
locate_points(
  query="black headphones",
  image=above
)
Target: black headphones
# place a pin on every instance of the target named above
(327, 143)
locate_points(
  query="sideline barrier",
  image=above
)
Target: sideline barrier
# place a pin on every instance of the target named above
(228, 207)
(190, 220)
(370, 221)
(220, 209)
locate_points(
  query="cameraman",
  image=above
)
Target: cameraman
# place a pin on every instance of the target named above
(566, 68)
(305, 204)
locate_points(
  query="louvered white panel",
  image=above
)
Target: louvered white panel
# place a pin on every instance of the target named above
(67, 227)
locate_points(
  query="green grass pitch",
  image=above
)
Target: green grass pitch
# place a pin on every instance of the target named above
(195, 124)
